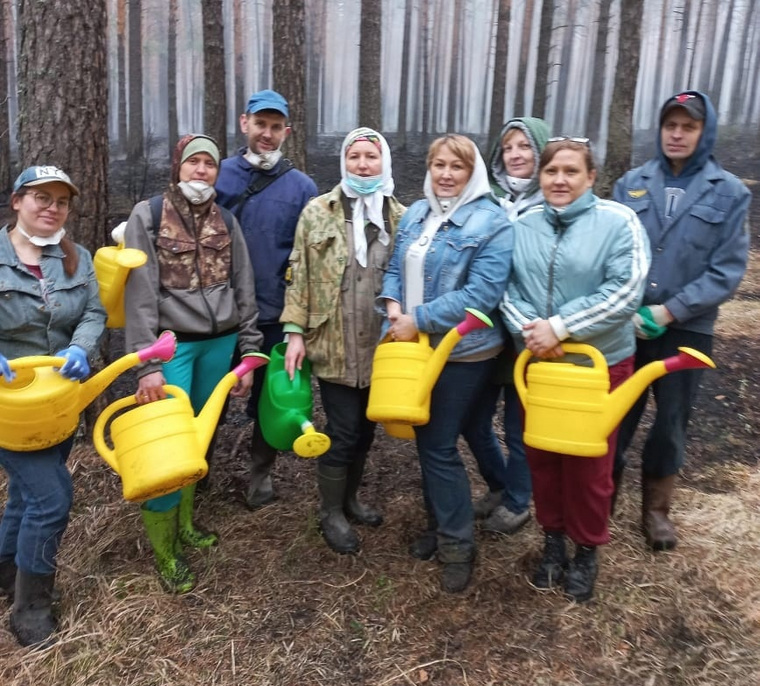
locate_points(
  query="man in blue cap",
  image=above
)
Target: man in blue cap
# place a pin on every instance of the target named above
(266, 194)
(695, 214)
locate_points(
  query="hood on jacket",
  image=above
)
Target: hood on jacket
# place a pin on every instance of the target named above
(706, 141)
(537, 132)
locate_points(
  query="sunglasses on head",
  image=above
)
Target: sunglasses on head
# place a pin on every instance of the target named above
(572, 139)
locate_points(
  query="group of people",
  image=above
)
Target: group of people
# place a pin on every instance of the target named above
(243, 254)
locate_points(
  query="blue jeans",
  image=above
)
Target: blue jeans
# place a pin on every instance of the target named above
(446, 488)
(510, 476)
(37, 512)
(197, 367)
(674, 395)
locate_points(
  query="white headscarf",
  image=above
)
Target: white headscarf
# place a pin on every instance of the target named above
(367, 206)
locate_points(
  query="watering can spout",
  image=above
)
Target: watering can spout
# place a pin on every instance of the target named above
(624, 396)
(207, 418)
(474, 319)
(163, 349)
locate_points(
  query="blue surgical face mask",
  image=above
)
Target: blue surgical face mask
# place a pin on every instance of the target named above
(364, 185)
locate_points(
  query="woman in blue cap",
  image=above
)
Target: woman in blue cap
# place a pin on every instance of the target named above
(49, 305)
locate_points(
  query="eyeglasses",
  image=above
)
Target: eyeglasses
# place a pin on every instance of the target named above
(572, 139)
(43, 201)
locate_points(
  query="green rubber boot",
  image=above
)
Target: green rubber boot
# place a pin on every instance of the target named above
(190, 535)
(161, 528)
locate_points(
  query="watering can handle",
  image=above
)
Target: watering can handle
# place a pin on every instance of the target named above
(588, 350)
(36, 361)
(98, 431)
(422, 337)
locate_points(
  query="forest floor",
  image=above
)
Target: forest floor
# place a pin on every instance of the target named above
(274, 606)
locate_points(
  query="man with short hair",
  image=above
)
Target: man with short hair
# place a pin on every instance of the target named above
(266, 194)
(695, 214)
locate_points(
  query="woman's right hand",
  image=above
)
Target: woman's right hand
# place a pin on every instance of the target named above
(294, 354)
(150, 388)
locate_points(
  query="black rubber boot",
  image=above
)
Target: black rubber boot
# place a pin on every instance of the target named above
(8, 578)
(581, 574)
(458, 561)
(424, 547)
(262, 457)
(336, 530)
(356, 510)
(551, 569)
(656, 499)
(32, 621)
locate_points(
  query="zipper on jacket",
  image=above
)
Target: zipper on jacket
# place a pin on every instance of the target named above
(558, 231)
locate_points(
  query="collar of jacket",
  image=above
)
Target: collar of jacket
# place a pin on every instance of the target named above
(579, 206)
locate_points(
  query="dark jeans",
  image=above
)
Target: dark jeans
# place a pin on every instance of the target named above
(674, 395)
(510, 476)
(351, 433)
(444, 478)
(37, 511)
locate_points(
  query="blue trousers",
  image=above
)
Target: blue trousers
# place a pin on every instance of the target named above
(446, 488)
(37, 512)
(510, 476)
(197, 367)
(674, 395)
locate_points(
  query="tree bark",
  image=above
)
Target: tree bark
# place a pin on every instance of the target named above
(499, 70)
(370, 65)
(596, 103)
(136, 143)
(289, 65)
(239, 49)
(214, 92)
(403, 94)
(522, 70)
(121, 67)
(63, 103)
(542, 62)
(171, 80)
(620, 140)
(5, 122)
(456, 50)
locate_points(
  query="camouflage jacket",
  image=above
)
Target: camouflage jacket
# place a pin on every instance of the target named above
(315, 275)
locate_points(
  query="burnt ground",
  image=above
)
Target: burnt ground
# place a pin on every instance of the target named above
(274, 606)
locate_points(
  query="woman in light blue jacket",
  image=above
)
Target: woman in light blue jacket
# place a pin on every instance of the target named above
(453, 250)
(578, 275)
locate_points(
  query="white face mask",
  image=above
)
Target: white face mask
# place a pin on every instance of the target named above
(517, 185)
(197, 192)
(264, 160)
(42, 241)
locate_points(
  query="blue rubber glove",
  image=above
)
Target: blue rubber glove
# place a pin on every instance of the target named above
(76, 366)
(647, 325)
(5, 369)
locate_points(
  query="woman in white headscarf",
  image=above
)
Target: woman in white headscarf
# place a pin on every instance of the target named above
(453, 250)
(342, 245)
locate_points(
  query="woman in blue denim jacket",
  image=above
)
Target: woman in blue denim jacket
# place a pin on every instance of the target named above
(49, 305)
(453, 250)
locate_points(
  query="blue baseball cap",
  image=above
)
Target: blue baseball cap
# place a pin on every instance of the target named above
(267, 100)
(37, 175)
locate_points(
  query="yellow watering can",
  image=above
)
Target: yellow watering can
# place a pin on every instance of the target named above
(285, 408)
(568, 407)
(112, 266)
(404, 373)
(40, 408)
(161, 447)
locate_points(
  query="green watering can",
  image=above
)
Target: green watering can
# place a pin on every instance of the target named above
(285, 408)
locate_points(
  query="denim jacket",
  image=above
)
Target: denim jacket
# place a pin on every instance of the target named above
(467, 265)
(37, 320)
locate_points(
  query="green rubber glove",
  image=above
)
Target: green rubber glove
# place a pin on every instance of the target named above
(646, 326)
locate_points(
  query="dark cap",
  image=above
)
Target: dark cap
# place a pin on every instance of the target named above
(267, 100)
(691, 102)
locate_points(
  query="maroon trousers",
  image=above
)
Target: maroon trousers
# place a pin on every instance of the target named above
(572, 494)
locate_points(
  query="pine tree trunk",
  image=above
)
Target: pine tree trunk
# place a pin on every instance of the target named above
(403, 95)
(370, 63)
(239, 49)
(121, 71)
(596, 103)
(289, 62)
(63, 103)
(5, 124)
(136, 144)
(215, 92)
(171, 80)
(500, 69)
(522, 71)
(620, 140)
(542, 62)
(456, 49)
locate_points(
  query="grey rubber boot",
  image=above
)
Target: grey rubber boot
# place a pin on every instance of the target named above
(262, 457)
(336, 530)
(32, 621)
(656, 499)
(353, 507)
